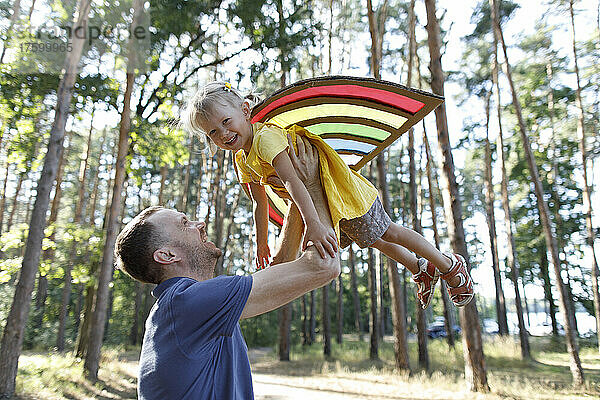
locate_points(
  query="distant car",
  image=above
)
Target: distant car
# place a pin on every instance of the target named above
(545, 329)
(437, 329)
(489, 326)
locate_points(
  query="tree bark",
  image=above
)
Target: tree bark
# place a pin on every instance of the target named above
(511, 256)
(475, 371)
(12, 338)
(491, 222)
(587, 190)
(83, 334)
(92, 360)
(305, 333)
(416, 223)
(3, 201)
(340, 309)
(354, 287)
(94, 197)
(66, 293)
(313, 317)
(15, 202)
(448, 320)
(373, 325)
(326, 317)
(48, 254)
(287, 250)
(545, 275)
(572, 348)
(186, 178)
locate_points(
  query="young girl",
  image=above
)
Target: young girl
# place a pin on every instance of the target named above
(261, 152)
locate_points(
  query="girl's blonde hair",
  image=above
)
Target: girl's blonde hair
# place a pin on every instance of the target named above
(205, 100)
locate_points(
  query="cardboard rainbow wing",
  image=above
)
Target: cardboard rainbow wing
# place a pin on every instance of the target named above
(357, 117)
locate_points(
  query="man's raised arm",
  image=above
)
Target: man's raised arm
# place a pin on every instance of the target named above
(286, 281)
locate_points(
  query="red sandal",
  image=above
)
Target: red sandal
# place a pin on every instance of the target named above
(462, 294)
(426, 279)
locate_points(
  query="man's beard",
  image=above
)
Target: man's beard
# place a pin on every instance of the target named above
(201, 258)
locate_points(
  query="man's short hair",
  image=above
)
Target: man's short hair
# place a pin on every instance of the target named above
(135, 247)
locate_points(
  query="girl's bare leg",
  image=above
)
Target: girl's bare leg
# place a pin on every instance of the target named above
(415, 242)
(398, 253)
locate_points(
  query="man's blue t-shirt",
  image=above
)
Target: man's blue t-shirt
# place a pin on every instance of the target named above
(193, 347)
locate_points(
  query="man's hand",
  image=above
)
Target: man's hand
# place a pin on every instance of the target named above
(322, 238)
(306, 162)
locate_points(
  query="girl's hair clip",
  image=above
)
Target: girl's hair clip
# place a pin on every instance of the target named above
(227, 87)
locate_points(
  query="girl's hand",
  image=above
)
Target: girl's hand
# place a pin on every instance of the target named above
(322, 238)
(263, 255)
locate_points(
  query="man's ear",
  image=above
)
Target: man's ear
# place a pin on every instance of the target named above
(165, 256)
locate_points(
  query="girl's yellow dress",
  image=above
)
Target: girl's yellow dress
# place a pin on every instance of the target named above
(349, 195)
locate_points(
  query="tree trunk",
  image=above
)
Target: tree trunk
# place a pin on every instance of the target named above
(373, 325)
(230, 223)
(421, 323)
(12, 338)
(525, 302)
(287, 250)
(313, 317)
(416, 223)
(285, 321)
(575, 363)
(491, 222)
(186, 179)
(448, 320)
(78, 307)
(548, 290)
(220, 216)
(15, 203)
(199, 185)
(305, 333)
(511, 257)
(340, 309)
(163, 179)
(3, 201)
(587, 190)
(381, 299)
(66, 293)
(48, 254)
(355, 299)
(94, 197)
(213, 194)
(92, 360)
(326, 321)
(475, 372)
(31, 9)
(110, 186)
(83, 335)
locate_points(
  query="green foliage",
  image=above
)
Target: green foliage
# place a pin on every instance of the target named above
(274, 24)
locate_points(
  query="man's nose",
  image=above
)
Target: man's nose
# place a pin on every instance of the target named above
(201, 225)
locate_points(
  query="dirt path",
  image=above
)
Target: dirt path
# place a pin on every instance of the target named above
(272, 386)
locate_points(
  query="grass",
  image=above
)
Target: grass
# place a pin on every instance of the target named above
(348, 371)
(547, 376)
(60, 376)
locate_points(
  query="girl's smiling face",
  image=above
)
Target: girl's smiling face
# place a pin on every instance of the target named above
(229, 127)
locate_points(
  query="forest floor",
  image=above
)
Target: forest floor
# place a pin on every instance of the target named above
(348, 374)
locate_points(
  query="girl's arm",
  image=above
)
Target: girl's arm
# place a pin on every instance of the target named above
(261, 224)
(324, 239)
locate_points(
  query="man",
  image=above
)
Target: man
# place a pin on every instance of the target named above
(193, 347)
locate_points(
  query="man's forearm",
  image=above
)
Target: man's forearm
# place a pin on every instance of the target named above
(315, 190)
